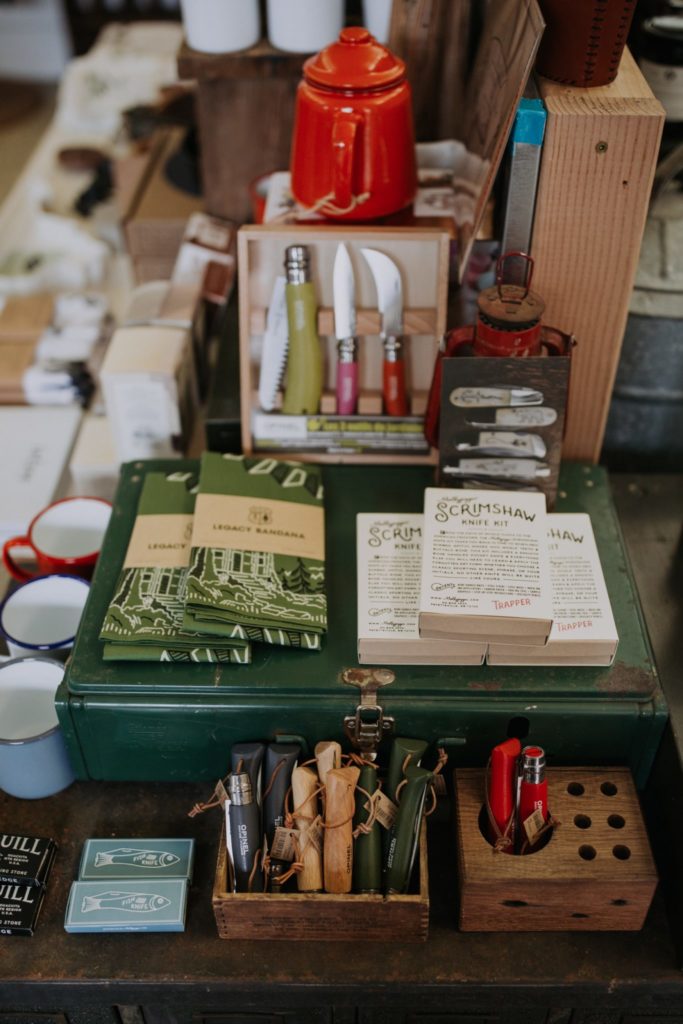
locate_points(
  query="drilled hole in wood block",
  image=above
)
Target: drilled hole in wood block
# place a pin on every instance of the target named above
(608, 789)
(619, 903)
(621, 852)
(514, 903)
(581, 915)
(616, 821)
(582, 821)
(587, 852)
(575, 789)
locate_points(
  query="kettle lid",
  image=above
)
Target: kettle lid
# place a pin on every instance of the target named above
(354, 61)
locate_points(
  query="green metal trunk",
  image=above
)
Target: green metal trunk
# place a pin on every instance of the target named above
(177, 722)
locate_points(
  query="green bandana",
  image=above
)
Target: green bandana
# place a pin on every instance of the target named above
(257, 558)
(144, 621)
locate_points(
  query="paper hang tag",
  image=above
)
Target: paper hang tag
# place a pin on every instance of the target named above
(533, 825)
(284, 844)
(221, 793)
(385, 809)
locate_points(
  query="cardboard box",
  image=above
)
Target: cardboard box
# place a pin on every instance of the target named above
(422, 256)
(157, 211)
(150, 391)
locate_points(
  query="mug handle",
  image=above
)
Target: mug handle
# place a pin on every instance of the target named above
(10, 565)
(344, 131)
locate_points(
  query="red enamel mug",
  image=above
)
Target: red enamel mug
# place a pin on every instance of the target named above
(65, 537)
(353, 148)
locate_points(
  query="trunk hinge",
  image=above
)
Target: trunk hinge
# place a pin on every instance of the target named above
(369, 725)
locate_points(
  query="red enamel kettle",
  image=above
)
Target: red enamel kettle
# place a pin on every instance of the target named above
(353, 150)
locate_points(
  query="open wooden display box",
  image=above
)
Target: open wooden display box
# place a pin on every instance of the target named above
(304, 916)
(595, 873)
(422, 256)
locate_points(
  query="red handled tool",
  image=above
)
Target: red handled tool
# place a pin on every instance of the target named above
(501, 790)
(533, 788)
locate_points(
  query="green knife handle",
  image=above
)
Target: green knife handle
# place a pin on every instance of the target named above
(403, 837)
(304, 355)
(401, 748)
(367, 851)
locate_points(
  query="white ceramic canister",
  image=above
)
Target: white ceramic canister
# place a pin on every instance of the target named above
(42, 616)
(304, 26)
(377, 18)
(34, 762)
(221, 26)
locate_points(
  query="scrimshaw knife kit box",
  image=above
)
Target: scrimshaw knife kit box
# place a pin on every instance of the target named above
(366, 436)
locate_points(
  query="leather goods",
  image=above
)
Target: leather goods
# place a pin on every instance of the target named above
(584, 40)
(353, 149)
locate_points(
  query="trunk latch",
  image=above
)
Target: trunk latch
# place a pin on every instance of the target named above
(369, 725)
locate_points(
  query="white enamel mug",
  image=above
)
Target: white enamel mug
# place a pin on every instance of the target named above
(42, 616)
(65, 537)
(34, 762)
(377, 18)
(304, 26)
(221, 26)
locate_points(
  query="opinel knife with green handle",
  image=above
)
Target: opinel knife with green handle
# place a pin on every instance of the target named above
(367, 851)
(403, 838)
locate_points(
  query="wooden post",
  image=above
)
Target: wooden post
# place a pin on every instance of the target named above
(598, 163)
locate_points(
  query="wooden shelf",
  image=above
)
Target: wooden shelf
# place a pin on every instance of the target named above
(415, 321)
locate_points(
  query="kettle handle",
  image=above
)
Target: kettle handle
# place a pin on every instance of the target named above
(344, 131)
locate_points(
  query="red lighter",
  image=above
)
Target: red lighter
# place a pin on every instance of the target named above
(533, 788)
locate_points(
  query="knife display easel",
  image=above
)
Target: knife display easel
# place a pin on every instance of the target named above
(422, 256)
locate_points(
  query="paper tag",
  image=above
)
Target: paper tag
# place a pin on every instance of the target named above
(221, 793)
(160, 541)
(386, 809)
(533, 825)
(284, 844)
(259, 524)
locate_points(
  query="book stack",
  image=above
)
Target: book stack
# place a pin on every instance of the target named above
(389, 556)
(482, 576)
(583, 631)
(485, 571)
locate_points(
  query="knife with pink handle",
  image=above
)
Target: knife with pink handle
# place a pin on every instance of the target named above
(345, 331)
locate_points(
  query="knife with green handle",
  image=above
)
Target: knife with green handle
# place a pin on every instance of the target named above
(367, 853)
(304, 360)
(404, 836)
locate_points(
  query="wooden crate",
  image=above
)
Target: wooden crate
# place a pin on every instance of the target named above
(599, 158)
(422, 256)
(595, 874)
(322, 916)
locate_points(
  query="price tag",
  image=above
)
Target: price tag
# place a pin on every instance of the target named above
(386, 809)
(533, 825)
(284, 844)
(221, 793)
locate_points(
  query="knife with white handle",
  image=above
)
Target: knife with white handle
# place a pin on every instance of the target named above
(275, 344)
(513, 469)
(390, 304)
(485, 397)
(501, 442)
(344, 288)
(518, 418)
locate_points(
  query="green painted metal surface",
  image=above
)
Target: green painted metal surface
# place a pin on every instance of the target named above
(178, 721)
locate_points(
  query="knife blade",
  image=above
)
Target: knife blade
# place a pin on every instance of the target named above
(491, 397)
(387, 278)
(512, 469)
(344, 290)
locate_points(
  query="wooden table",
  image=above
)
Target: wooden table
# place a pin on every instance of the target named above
(558, 978)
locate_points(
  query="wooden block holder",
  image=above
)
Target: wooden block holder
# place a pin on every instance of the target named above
(596, 873)
(296, 916)
(422, 255)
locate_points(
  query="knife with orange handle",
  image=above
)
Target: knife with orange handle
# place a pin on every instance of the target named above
(387, 279)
